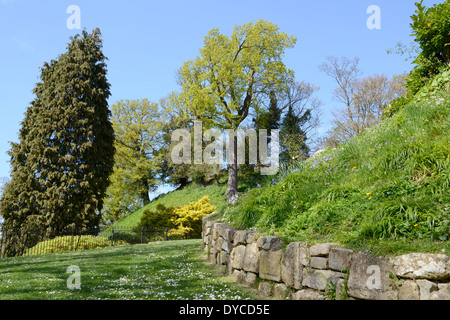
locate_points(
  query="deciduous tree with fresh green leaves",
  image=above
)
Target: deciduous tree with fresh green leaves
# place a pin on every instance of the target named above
(138, 131)
(231, 76)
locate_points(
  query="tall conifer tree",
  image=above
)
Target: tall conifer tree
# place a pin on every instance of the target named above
(65, 154)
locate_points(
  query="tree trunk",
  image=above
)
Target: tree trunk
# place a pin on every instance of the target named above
(144, 194)
(232, 172)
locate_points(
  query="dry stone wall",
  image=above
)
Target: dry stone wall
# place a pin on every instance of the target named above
(323, 271)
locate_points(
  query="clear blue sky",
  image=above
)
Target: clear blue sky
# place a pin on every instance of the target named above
(147, 41)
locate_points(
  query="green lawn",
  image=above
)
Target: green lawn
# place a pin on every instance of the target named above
(172, 270)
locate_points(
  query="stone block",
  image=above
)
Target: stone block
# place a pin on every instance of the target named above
(369, 278)
(250, 279)
(294, 259)
(219, 243)
(227, 246)
(226, 232)
(341, 293)
(269, 243)
(270, 265)
(426, 287)
(443, 292)
(321, 249)
(408, 290)
(238, 276)
(265, 289)
(318, 279)
(319, 263)
(340, 259)
(281, 291)
(421, 266)
(251, 258)
(240, 237)
(251, 237)
(215, 231)
(307, 294)
(237, 257)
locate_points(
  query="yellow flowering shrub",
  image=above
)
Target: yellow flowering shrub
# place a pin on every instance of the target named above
(188, 219)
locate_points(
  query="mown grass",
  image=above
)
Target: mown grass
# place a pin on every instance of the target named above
(387, 190)
(171, 270)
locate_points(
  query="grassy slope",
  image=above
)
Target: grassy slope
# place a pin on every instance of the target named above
(188, 194)
(387, 190)
(164, 270)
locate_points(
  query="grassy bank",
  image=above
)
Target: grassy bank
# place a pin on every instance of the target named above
(386, 190)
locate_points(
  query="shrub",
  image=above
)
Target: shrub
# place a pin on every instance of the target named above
(71, 243)
(162, 217)
(189, 218)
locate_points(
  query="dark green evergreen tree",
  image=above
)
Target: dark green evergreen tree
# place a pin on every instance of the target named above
(292, 136)
(65, 154)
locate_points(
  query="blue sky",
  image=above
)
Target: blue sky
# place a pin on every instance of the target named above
(147, 41)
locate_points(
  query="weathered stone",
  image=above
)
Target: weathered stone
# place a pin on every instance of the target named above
(250, 279)
(238, 276)
(281, 291)
(207, 226)
(219, 243)
(426, 287)
(251, 258)
(321, 249)
(319, 263)
(318, 279)
(340, 259)
(409, 290)
(227, 246)
(207, 240)
(421, 266)
(226, 232)
(237, 257)
(265, 289)
(240, 237)
(294, 258)
(443, 293)
(369, 278)
(269, 243)
(270, 265)
(251, 237)
(307, 294)
(215, 231)
(341, 293)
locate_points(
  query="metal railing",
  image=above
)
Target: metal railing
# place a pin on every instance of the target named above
(34, 242)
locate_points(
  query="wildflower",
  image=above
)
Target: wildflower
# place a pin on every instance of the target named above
(416, 225)
(370, 198)
(426, 120)
(258, 185)
(386, 143)
(368, 194)
(273, 181)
